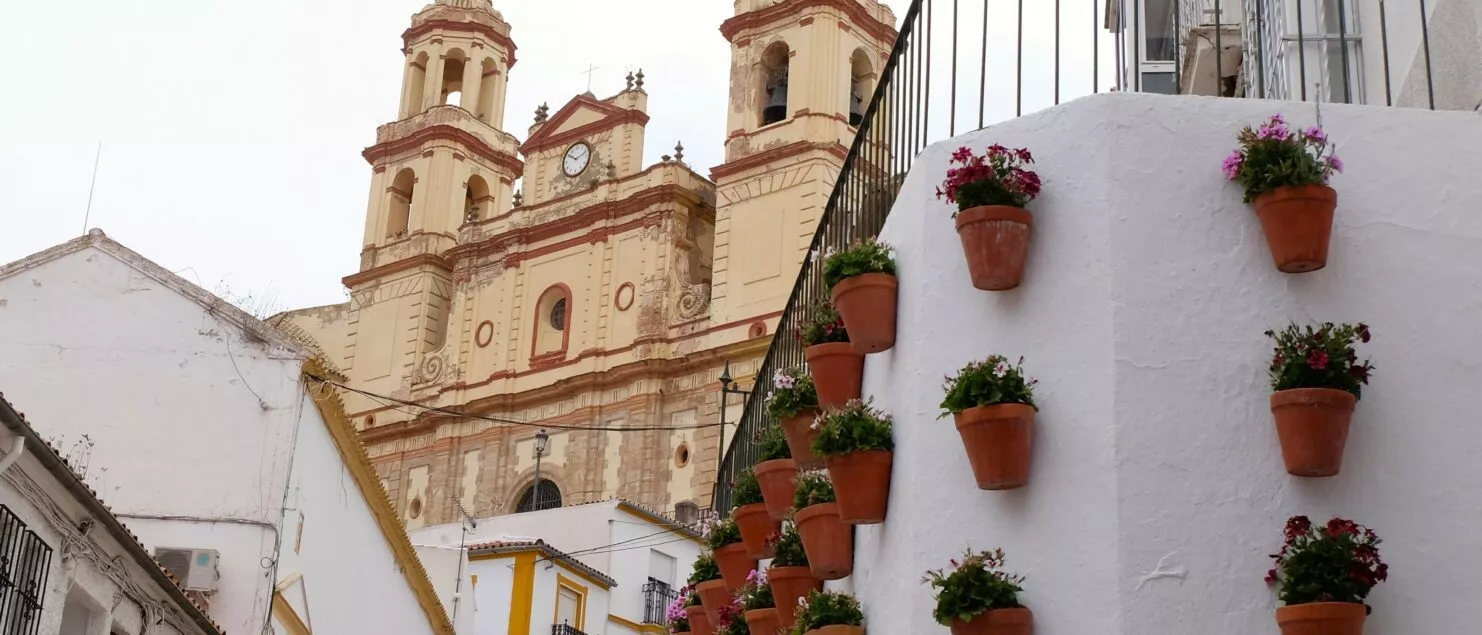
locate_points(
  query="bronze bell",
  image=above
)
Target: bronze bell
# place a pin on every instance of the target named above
(856, 108)
(776, 109)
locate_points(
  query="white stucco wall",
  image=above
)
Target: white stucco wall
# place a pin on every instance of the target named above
(448, 570)
(1157, 489)
(635, 539)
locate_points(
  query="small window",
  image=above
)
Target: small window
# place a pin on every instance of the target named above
(682, 455)
(558, 315)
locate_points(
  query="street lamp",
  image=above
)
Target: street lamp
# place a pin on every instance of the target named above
(542, 441)
(728, 387)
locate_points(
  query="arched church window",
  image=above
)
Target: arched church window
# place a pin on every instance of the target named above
(400, 204)
(558, 315)
(552, 316)
(542, 495)
(775, 64)
(476, 201)
(452, 78)
(416, 80)
(485, 107)
(861, 85)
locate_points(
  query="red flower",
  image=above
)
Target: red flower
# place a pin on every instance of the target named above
(1363, 333)
(1297, 526)
(1338, 526)
(1271, 577)
(1317, 359)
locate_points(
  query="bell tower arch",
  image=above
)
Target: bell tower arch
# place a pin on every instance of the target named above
(802, 72)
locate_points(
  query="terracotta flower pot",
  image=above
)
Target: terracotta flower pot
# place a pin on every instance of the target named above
(838, 629)
(699, 617)
(997, 622)
(682, 633)
(713, 595)
(735, 564)
(862, 485)
(756, 526)
(997, 439)
(867, 304)
(1312, 424)
(800, 434)
(828, 542)
(789, 584)
(763, 622)
(837, 373)
(995, 239)
(1298, 222)
(1322, 618)
(777, 480)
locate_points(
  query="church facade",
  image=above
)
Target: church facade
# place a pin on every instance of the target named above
(557, 283)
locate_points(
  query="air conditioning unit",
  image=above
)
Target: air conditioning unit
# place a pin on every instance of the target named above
(195, 569)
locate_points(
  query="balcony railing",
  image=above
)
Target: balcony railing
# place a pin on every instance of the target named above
(566, 629)
(25, 561)
(656, 599)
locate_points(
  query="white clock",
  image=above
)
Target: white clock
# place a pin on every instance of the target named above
(576, 159)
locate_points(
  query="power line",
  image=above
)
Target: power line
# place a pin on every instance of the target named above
(554, 426)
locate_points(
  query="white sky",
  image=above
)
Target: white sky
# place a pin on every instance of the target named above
(232, 130)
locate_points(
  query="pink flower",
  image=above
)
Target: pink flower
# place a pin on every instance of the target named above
(1335, 163)
(1232, 165)
(1277, 130)
(1317, 359)
(1316, 134)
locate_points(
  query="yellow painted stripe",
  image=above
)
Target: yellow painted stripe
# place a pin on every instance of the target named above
(522, 595)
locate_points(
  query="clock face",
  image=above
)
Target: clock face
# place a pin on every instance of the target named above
(576, 159)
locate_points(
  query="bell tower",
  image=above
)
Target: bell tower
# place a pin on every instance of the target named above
(443, 164)
(801, 73)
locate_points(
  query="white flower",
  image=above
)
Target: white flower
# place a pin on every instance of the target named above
(1000, 369)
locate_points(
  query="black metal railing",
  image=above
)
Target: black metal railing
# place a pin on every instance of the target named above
(566, 629)
(656, 599)
(25, 561)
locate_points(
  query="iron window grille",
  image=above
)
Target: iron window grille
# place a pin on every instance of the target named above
(25, 561)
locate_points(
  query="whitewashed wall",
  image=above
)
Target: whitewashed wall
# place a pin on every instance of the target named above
(1157, 488)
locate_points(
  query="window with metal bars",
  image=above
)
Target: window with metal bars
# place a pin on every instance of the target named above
(25, 560)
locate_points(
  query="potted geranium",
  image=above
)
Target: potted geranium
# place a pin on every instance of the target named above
(1325, 573)
(731, 620)
(1317, 379)
(724, 541)
(856, 443)
(697, 618)
(776, 472)
(675, 615)
(1285, 174)
(828, 542)
(991, 191)
(826, 613)
(837, 369)
(861, 279)
(979, 598)
(789, 576)
(751, 515)
(758, 604)
(794, 403)
(993, 404)
(710, 592)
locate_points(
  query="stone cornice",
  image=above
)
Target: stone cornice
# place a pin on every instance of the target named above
(613, 117)
(370, 275)
(788, 10)
(732, 168)
(444, 132)
(428, 26)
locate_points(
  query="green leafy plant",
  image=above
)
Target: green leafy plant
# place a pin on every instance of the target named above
(774, 443)
(705, 570)
(986, 383)
(997, 177)
(813, 488)
(756, 593)
(723, 533)
(823, 608)
(862, 257)
(821, 324)
(746, 491)
(1321, 357)
(1274, 155)
(974, 586)
(787, 548)
(792, 392)
(1338, 562)
(856, 427)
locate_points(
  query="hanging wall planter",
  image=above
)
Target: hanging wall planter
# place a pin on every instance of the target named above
(992, 403)
(978, 597)
(710, 589)
(990, 192)
(857, 446)
(862, 284)
(751, 516)
(1317, 380)
(837, 369)
(1316, 601)
(790, 577)
(731, 555)
(1285, 174)
(827, 613)
(758, 606)
(677, 612)
(828, 542)
(699, 621)
(794, 403)
(776, 473)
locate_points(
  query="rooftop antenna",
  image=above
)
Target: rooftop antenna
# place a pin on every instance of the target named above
(86, 215)
(464, 523)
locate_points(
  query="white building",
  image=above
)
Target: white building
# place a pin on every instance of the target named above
(604, 568)
(198, 424)
(1417, 53)
(67, 565)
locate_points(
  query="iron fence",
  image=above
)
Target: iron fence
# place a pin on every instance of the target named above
(657, 596)
(25, 561)
(566, 629)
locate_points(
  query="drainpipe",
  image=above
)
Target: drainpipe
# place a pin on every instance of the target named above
(17, 448)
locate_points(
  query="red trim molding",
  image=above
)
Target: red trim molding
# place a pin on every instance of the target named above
(617, 297)
(412, 262)
(466, 27)
(788, 9)
(775, 154)
(538, 359)
(614, 116)
(444, 132)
